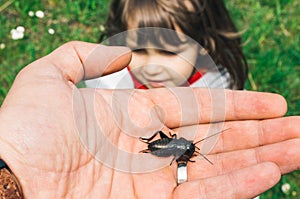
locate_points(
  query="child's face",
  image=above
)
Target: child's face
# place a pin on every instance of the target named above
(156, 67)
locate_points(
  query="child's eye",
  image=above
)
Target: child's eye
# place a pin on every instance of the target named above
(140, 51)
(167, 53)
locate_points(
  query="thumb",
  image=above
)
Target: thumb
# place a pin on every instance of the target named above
(81, 60)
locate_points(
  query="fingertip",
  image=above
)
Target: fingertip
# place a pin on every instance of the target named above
(282, 104)
(256, 179)
(277, 104)
(271, 171)
(105, 60)
(122, 60)
(255, 105)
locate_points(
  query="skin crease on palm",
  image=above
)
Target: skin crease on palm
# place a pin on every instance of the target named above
(45, 119)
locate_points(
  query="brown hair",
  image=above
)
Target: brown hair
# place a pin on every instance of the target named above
(206, 21)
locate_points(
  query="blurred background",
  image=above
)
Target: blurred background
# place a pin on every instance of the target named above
(271, 42)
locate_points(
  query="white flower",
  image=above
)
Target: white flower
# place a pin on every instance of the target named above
(31, 13)
(51, 31)
(39, 14)
(20, 29)
(2, 46)
(285, 188)
(102, 28)
(17, 33)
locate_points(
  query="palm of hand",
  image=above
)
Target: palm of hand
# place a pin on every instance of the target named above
(64, 156)
(57, 153)
(70, 150)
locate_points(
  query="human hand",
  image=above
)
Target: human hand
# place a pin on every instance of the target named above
(59, 140)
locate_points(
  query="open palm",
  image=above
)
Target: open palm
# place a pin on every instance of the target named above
(65, 142)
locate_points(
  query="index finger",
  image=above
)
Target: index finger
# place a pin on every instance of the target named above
(188, 106)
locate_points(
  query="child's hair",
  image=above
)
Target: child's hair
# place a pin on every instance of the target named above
(206, 21)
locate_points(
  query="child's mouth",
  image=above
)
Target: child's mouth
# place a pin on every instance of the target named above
(157, 84)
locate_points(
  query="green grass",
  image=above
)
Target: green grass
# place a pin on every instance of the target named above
(71, 20)
(271, 44)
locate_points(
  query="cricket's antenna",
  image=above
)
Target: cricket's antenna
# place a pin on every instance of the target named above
(211, 135)
(204, 157)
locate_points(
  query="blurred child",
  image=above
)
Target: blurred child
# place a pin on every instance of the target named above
(167, 53)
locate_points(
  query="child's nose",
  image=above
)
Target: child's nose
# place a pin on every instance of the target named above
(153, 69)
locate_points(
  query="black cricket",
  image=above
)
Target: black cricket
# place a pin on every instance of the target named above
(181, 149)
